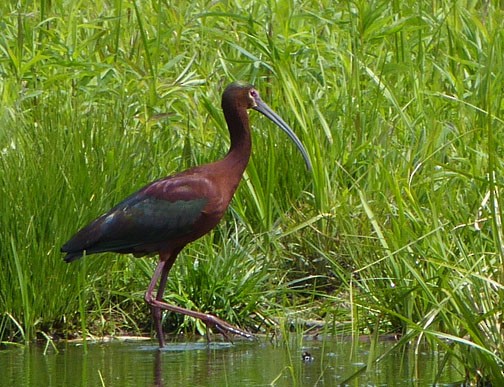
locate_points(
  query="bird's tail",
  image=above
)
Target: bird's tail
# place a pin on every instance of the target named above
(72, 256)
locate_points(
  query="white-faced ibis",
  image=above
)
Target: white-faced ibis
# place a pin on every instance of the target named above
(164, 216)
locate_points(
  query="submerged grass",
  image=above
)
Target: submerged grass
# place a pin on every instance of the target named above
(397, 229)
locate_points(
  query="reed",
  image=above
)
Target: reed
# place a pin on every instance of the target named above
(397, 229)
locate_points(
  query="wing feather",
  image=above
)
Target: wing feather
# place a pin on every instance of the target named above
(162, 211)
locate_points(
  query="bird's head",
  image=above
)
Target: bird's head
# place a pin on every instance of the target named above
(241, 95)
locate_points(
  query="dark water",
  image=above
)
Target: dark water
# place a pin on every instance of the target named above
(243, 363)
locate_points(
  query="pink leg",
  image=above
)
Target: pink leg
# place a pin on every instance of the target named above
(209, 320)
(157, 305)
(161, 274)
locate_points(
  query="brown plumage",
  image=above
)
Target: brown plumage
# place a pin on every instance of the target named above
(166, 215)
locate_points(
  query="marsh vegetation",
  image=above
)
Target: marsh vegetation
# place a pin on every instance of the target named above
(398, 229)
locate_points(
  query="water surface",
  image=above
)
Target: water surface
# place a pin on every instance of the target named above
(326, 362)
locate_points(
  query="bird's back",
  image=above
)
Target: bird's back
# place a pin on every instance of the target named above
(167, 213)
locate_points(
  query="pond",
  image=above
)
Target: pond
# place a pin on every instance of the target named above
(296, 362)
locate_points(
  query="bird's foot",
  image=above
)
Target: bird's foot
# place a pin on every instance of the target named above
(224, 327)
(208, 319)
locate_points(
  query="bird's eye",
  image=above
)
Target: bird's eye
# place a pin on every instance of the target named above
(253, 93)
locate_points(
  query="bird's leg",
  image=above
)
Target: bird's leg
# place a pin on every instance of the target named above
(209, 320)
(162, 270)
(157, 305)
(156, 312)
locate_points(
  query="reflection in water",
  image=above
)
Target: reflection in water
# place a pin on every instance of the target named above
(158, 370)
(301, 361)
(173, 351)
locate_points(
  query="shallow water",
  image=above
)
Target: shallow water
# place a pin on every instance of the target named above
(243, 363)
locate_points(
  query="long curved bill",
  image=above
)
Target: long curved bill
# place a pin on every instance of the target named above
(268, 112)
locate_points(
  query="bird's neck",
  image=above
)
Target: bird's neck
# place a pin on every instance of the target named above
(229, 170)
(239, 152)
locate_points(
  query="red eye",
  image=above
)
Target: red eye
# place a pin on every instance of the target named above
(254, 93)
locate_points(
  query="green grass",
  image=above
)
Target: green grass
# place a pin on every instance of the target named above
(397, 229)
